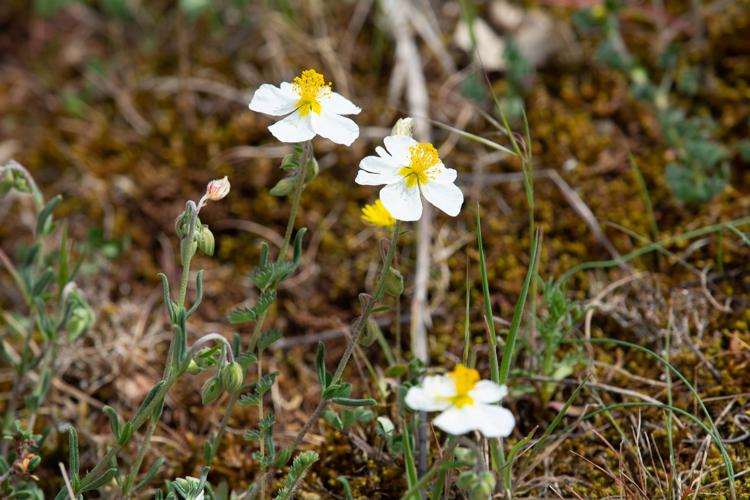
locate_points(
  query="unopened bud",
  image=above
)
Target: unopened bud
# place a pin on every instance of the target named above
(81, 317)
(193, 368)
(404, 126)
(211, 390)
(290, 162)
(7, 181)
(484, 488)
(232, 377)
(372, 330)
(217, 189)
(283, 188)
(312, 170)
(206, 241)
(394, 282)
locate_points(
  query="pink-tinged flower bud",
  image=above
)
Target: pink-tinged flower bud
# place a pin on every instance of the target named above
(217, 189)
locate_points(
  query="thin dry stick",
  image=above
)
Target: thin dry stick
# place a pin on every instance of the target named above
(416, 96)
(68, 486)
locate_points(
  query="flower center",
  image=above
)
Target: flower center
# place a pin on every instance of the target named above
(464, 379)
(310, 86)
(422, 157)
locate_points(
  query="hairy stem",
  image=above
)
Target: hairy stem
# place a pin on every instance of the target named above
(356, 333)
(258, 330)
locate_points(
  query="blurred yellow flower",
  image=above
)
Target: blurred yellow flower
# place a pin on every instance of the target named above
(377, 215)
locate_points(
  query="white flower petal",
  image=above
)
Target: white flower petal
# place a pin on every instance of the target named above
(456, 421)
(337, 128)
(447, 197)
(293, 128)
(337, 104)
(380, 150)
(288, 89)
(398, 146)
(441, 386)
(378, 165)
(402, 202)
(492, 420)
(365, 178)
(274, 100)
(486, 391)
(420, 399)
(443, 175)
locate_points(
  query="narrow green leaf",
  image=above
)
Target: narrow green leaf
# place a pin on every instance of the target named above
(149, 397)
(515, 324)
(354, 402)
(99, 482)
(73, 462)
(114, 421)
(43, 220)
(150, 474)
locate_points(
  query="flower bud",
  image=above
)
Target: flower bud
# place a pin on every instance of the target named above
(211, 390)
(193, 368)
(312, 170)
(205, 240)
(81, 317)
(394, 282)
(485, 486)
(284, 187)
(232, 377)
(372, 330)
(7, 181)
(290, 162)
(404, 126)
(217, 189)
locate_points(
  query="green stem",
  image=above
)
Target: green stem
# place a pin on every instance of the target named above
(258, 330)
(299, 186)
(356, 333)
(262, 440)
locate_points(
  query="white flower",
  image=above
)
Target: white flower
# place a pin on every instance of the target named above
(310, 107)
(465, 403)
(408, 168)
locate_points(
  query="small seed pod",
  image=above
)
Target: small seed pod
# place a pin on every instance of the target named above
(232, 377)
(211, 390)
(394, 282)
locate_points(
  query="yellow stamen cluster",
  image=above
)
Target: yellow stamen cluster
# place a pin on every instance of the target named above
(464, 379)
(310, 86)
(377, 215)
(422, 157)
